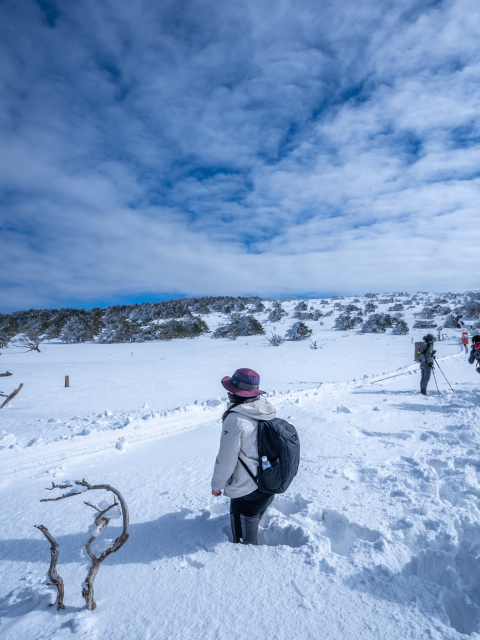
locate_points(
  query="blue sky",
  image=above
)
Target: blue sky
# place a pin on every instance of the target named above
(277, 148)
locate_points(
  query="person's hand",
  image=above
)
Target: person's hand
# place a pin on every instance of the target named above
(216, 493)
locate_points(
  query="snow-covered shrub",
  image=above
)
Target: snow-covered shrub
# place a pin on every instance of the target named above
(277, 312)
(77, 329)
(426, 313)
(443, 310)
(400, 327)
(303, 315)
(350, 308)
(259, 307)
(370, 295)
(345, 321)
(298, 331)
(356, 300)
(188, 328)
(425, 324)
(398, 306)
(275, 340)
(377, 323)
(471, 309)
(122, 331)
(301, 306)
(125, 331)
(450, 322)
(239, 326)
(328, 313)
(324, 302)
(9, 327)
(307, 315)
(370, 307)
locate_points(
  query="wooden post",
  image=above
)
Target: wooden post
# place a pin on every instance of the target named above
(67, 381)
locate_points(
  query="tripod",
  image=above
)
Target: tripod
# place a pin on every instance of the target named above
(442, 375)
(433, 371)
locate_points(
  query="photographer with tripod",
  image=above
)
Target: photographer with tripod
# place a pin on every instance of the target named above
(427, 358)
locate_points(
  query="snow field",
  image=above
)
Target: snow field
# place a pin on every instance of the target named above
(376, 538)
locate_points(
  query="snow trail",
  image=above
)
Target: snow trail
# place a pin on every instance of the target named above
(377, 537)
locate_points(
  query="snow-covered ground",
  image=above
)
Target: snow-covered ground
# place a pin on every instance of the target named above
(376, 538)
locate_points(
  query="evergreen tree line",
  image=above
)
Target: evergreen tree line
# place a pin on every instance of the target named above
(170, 319)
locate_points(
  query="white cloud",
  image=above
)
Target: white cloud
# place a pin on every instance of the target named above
(270, 148)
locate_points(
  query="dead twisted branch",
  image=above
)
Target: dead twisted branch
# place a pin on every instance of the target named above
(11, 396)
(53, 574)
(30, 339)
(101, 521)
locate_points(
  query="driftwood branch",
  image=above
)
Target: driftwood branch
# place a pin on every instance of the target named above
(11, 396)
(53, 574)
(102, 521)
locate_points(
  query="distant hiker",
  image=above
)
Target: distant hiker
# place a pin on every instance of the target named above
(427, 362)
(475, 353)
(238, 444)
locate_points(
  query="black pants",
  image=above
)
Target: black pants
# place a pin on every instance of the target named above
(246, 513)
(426, 373)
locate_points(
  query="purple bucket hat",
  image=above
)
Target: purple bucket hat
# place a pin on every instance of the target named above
(244, 383)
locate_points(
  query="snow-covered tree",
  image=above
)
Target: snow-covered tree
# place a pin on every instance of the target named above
(370, 295)
(426, 313)
(471, 309)
(425, 324)
(239, 326)
(443, 310)
(377, 323)
(351, 308)
(277, 312)
(345, 322)
(76, 330)
(400, 327)
(450, 322)
(301, 306)
(298, 331)
(258, 307)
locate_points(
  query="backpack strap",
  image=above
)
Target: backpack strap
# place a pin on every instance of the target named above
(254, 478)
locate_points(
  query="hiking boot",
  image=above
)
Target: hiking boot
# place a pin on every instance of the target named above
(423, 392)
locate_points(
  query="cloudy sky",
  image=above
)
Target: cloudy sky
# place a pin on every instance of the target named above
(274, 147)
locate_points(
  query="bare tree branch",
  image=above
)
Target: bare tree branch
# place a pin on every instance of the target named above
(11, 396)
(31, 339)
(102, 523)
(8, 373)
(53, 574)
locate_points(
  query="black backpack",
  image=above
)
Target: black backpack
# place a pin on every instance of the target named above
(278, 441)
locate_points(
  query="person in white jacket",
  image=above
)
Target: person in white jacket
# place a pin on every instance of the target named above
(238, 444)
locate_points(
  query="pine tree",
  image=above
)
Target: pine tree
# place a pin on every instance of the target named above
(277, 312)
(298, 331)
(377, 323)
(239, 326)
(345, 322)
(76, 330)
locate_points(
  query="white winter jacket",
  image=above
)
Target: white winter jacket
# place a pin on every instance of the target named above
(239, 438)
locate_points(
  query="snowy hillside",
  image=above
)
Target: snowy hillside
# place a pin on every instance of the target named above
(376, 538)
